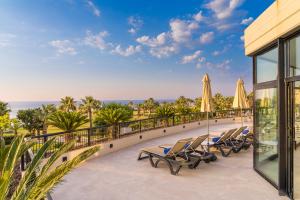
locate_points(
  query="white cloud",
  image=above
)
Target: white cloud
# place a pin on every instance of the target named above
(96, 40)
(223, 8)
(198, 17)
(206, 38)
(132, 31)
(164, 51)
(181, 30)
(131, 50)
(219, 52)
(247, 21)
(216, 53)
(63, 47)
(136, 23)
(191, 58)
(200, 62)
(153, 42)
(6, 39)
(242, 38)
(223, 65)
(94, 8)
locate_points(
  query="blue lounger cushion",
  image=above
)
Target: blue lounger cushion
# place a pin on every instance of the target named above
(166, 150)
(216, 139)
(245, 132)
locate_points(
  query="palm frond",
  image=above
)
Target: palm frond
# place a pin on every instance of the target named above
(45, 183)
(32, 169)
(9, 164)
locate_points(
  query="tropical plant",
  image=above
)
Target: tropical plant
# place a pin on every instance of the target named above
(165, 111)
(150, 104)
(39, 178)
(197, 104)
(250, 98)
(130, 104)
(15, 125)
(183, 107)
(4, 123)
(112, 114)
(89, 105)
(67, 104)
(46, 111)
(67, 121)
(31, 120)
(141, 109)
(4, 108)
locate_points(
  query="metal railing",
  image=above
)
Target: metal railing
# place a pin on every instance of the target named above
(88, 137)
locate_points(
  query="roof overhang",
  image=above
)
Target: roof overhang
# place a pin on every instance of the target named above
(279, 20)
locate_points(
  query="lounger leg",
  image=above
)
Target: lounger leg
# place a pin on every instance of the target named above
(177, 170)
(223, 152)
(140, 157)
(151, 160)
(156, 163)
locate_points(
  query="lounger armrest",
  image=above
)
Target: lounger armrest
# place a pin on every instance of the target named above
(164, 146)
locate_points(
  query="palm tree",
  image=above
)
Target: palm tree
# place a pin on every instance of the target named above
(46, 111)
(250, 98)
(150, 105)
(130, 104)
(139, 109)
(4, 108)
(67, 104)
(67, 121)
(4, 124)
(38, 179)
(16, 125)
(165, 111)
(112, 115)
(89, 105)
(183, 107)
(197, 105)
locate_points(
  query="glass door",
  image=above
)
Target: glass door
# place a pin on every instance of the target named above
(295, 132)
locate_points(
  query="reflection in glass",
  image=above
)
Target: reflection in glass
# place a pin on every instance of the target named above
(295, 56)
(266, 154)
(266, 66)
(296, 117)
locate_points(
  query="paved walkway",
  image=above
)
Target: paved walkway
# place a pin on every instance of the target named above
(119, 176)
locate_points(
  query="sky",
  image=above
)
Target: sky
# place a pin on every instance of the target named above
(129, 49)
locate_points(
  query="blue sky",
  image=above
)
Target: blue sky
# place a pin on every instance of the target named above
(129, 49)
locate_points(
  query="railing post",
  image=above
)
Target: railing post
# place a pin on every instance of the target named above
(89, 136)
(173, 120)
(140, 124)
(119, 130)
(45, 139)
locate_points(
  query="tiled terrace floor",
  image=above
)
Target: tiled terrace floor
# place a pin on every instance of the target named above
(119, 176)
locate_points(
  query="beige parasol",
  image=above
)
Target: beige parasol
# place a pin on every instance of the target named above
(206, 104)
(240, 98)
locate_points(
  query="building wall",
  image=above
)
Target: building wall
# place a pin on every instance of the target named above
(279, 19)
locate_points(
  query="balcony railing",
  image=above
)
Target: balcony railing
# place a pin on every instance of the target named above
(96, 135)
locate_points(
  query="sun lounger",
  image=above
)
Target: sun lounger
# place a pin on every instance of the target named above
(192, 150)
(171, 156)
(221, 143)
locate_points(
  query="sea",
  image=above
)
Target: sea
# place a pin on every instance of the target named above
(21, 105)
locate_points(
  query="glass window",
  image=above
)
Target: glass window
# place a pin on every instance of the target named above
(295, 56)
(266, 155)
(266, 66)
